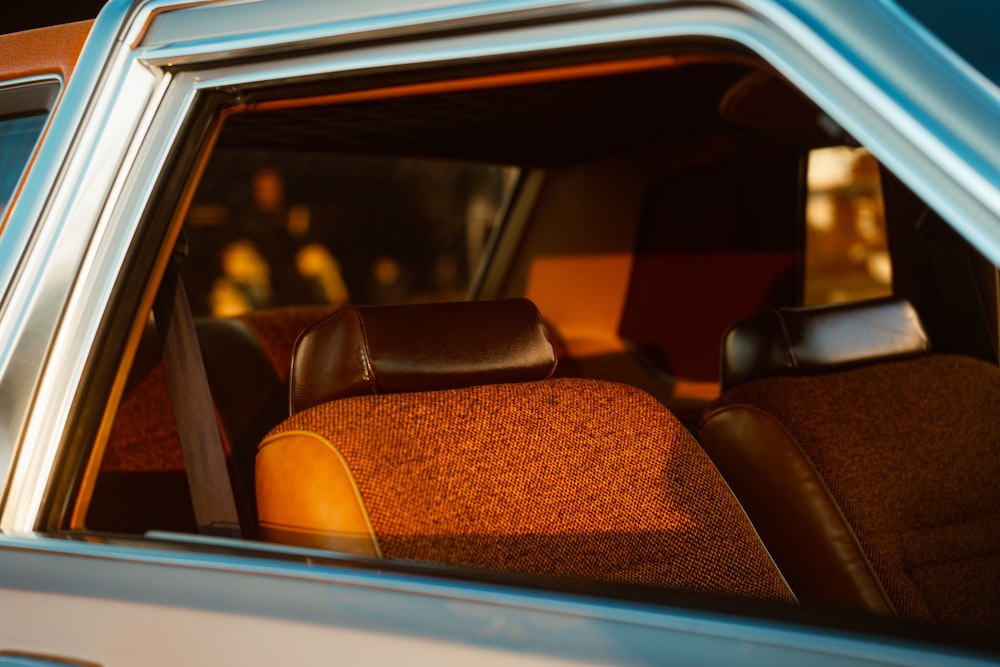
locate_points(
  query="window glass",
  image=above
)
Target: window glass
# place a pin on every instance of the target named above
(847, 257)
(681, 229)
(278, 228)
(17, 139)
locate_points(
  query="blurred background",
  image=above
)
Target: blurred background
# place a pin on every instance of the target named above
(17, 16)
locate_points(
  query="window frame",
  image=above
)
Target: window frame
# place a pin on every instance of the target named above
(177, 89)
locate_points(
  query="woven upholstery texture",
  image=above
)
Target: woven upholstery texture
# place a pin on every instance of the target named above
(561, 478)
(909, 451)
(277, 329)
(141, 484)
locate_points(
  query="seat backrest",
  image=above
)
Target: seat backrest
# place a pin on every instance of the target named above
(475, 459)
(141, 483)
(867, 465)
(818, 340)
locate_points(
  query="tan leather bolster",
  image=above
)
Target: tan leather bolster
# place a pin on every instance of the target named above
(307, 496)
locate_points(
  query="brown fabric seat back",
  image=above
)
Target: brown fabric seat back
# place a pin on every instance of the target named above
(568, 478)
(141, 484)
(874, 486)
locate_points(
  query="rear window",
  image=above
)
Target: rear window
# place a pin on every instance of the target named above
(847, 254)
(24, 109)
(272, 228)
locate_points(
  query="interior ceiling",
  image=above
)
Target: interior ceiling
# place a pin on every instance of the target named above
(543, 124)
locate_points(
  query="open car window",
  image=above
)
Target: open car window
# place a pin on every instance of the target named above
(645, 201)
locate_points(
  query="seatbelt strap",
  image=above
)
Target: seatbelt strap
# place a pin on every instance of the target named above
(204, 456)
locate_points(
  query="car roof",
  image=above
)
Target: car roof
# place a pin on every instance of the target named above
(52, 50)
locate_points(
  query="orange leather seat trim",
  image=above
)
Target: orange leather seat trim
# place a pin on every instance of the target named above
(293, 469)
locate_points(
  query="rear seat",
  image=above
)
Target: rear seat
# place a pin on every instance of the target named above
(141, 483)
(868, 465)
(612, 359)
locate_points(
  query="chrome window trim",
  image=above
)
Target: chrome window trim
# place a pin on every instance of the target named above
(957, 172)
(38, 216)
(192, 36)
(62, 289)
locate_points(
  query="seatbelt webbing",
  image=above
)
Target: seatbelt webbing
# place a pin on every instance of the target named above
(204, 456)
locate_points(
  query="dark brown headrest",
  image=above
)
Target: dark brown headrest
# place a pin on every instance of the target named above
(820, 339)
(392, 349)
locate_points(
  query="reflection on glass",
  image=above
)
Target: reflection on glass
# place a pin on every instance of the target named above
(278, 228)
(17, 140)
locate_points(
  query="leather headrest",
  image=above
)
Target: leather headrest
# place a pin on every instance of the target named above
(392, 349)
(820, 339)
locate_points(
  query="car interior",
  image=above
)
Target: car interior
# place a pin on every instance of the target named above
(585, 317)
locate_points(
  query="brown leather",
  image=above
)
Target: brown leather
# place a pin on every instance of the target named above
(792, 510)
(293, 469)
(810, 340)
(52, 50)
(384, 350)
(908, 451)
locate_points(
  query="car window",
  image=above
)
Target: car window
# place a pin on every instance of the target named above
(270, 228)
(24, 109)
(615, 235)
(644, 205)
(847, 253)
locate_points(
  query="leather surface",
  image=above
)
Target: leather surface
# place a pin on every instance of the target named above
(52, 50)
(293, 470)
(816, 339)
(792, 509)
(908, 451)
(393, 349)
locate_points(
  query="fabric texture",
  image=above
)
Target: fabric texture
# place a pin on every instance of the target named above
(909, 451)
(566, 478)
(277, 330)
(141, 484)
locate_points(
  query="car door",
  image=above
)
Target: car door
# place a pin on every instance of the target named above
(161, 90)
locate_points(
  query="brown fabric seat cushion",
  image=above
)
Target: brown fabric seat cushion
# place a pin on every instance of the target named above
(565, 478)
(909, 452)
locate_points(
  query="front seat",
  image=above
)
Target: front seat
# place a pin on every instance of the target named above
(868, 465)
(431, 433)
